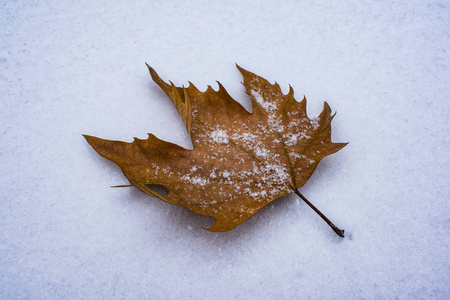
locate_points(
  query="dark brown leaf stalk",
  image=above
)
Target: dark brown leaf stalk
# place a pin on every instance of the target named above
(338, 231)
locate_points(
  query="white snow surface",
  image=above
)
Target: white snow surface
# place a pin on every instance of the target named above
(69, 68)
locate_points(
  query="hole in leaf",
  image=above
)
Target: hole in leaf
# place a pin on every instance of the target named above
(160, 189)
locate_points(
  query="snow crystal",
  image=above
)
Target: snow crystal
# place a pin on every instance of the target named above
(275, 123)
(274, 191)
(276, 173)
(293, 124)
(262, 152)
(268, 106)
(295, 155)
(245, 137)
(199, 180)
(315, 123)
(291, 139)
(195, 180)
(219, 136)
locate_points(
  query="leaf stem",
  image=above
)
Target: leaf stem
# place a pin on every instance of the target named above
(339, 232)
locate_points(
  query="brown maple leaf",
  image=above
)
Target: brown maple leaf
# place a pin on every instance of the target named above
(240, 162)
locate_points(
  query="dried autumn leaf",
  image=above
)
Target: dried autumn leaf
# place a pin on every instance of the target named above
(240, 162)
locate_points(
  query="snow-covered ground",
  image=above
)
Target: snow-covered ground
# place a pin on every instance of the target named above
(77, 67)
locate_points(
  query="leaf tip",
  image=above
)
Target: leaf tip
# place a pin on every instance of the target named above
(222, 88)
(150, 69)
(90, 139)
(341, 145)
(290, 94)
(192, 86)
(337, 146)
(157, 79)
(243, 71)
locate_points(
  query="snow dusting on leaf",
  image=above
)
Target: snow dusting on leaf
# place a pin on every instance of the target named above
(241, 161)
